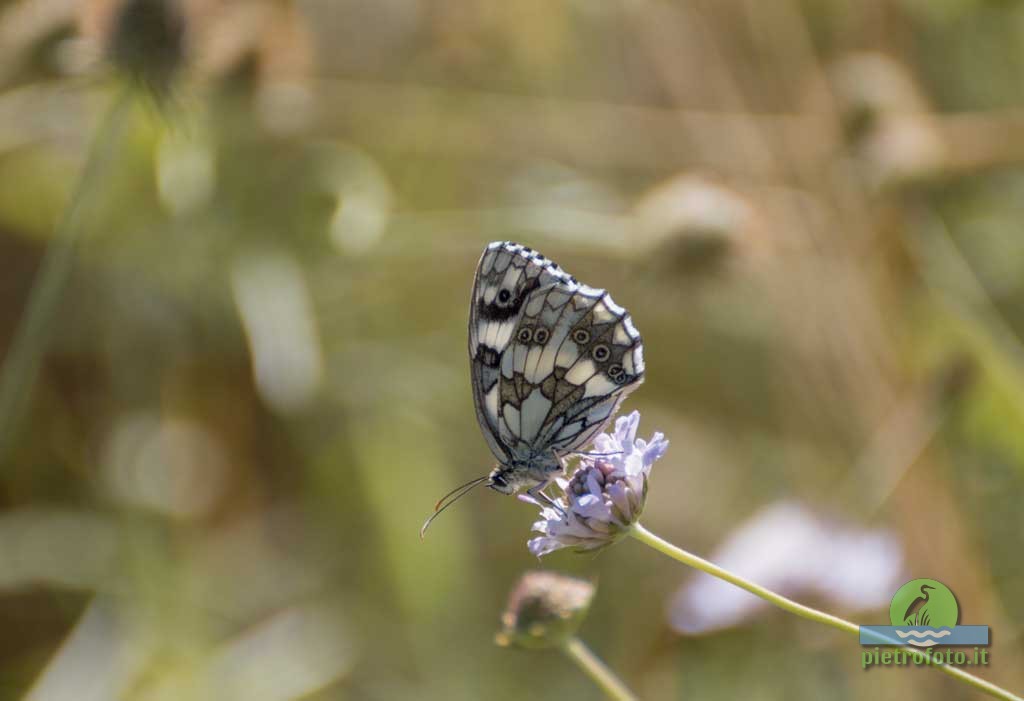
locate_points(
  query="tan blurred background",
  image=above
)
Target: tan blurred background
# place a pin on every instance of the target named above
(234, 357)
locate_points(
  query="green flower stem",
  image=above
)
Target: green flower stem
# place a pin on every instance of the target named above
(21, 365)
(594, 668)
(663, 546)
(645, 536)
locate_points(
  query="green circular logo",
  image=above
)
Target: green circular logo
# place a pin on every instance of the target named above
(924, 603)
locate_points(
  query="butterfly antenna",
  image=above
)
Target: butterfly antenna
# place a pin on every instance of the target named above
(450, 498)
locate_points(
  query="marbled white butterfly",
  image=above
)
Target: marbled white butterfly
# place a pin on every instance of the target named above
(551, 359)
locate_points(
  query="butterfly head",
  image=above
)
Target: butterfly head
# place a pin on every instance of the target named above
(520, 474)
(502, 480)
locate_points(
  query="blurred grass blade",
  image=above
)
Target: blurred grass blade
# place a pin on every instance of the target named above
(100, 659)
(21, 364)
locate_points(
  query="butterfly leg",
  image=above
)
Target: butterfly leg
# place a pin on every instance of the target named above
(537, 492)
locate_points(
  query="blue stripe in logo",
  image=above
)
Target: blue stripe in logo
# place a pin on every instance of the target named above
(923, 636)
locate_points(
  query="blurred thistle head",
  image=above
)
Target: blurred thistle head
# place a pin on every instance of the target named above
(544, 610)
(696, 225)
(604, 497)
(148, 41)
(144, 39)
(904, 151)
(887, 121)
(870, 86)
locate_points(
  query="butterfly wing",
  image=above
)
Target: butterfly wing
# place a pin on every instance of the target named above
(572, 357)
(506, 277)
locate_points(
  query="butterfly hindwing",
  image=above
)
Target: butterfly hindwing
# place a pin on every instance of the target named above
(564, 372)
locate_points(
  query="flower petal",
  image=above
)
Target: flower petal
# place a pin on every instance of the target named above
(605, 444)
(617, 492)
(625, 428)
(634, 465)
(544, 545)
(655, 449)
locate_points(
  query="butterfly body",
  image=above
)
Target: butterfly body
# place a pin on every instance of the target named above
(551, 360)
(510, 478)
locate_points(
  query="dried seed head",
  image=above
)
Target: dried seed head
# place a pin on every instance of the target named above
(544, 609)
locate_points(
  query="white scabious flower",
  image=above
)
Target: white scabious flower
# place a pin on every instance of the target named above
(792, 550)
(604, 497)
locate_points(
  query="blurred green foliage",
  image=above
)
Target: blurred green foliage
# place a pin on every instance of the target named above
(255, 382)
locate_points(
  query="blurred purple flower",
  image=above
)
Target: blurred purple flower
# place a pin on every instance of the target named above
(604, 497)
(788, 549)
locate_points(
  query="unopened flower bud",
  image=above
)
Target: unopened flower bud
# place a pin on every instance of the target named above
(544, 610)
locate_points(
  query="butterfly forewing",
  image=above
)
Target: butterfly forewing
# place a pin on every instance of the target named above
(551, 359)
(505, 276)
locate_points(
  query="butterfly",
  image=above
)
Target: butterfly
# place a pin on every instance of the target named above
(551, 360)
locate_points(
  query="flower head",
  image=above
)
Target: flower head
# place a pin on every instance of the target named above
(851, 568)
(147, 40)
(606, 494)
(544, 610)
